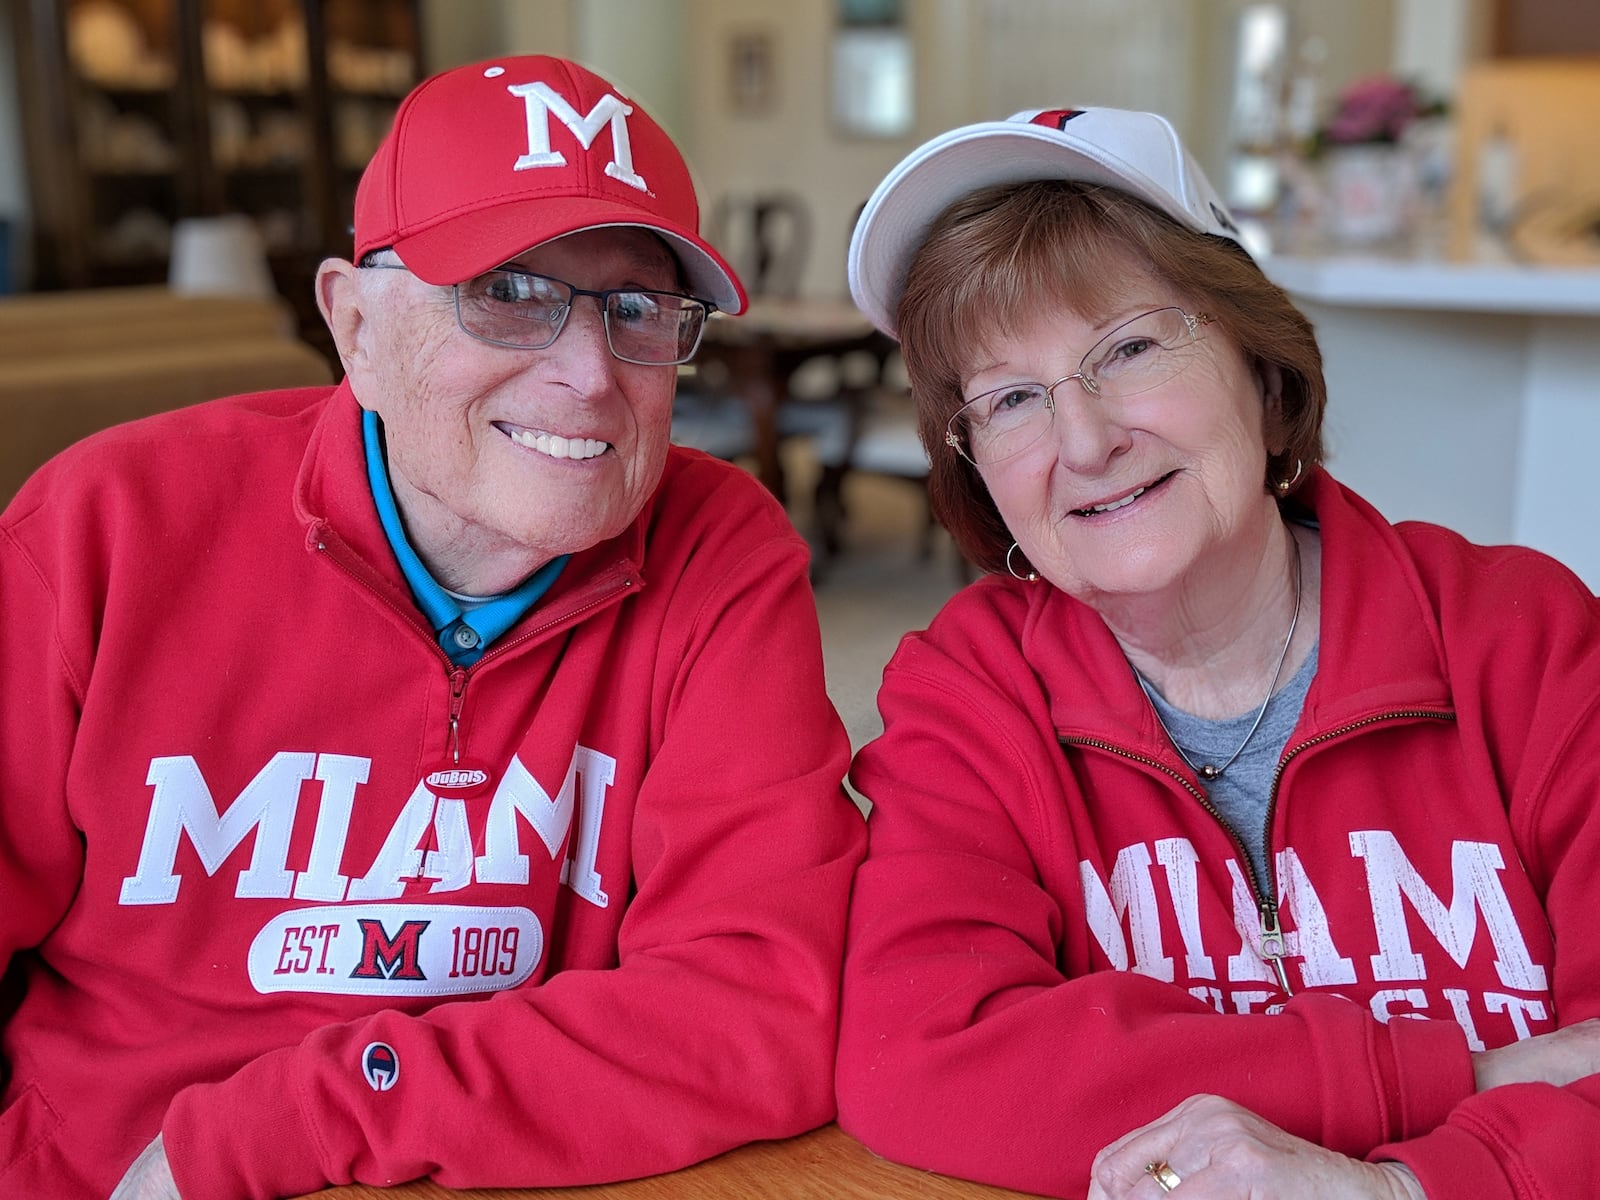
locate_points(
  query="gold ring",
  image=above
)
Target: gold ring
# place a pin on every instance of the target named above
(1166, 1178)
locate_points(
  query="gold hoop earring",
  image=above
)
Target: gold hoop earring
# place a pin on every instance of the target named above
(1031, 577)
(1283, 485)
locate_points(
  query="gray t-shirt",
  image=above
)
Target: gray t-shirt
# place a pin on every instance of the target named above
(1240, 793)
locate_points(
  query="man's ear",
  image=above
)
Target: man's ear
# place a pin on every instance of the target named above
(340, 301)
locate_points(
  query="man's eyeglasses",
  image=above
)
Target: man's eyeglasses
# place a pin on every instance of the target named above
(1135, 357)
(528, 312)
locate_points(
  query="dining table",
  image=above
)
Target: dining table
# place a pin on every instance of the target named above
(761, 348)
(825, 1164)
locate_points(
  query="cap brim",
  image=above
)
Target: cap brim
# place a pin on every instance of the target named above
(472, 243)
(896, 219)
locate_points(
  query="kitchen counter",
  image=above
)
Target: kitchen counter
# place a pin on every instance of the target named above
(1463, 393)
(1485, 287)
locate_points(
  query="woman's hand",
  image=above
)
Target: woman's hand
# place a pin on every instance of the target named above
(1559, 1057)
(149, 1178)
(1221, 1151)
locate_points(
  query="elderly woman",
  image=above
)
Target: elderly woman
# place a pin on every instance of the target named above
(1227, 832)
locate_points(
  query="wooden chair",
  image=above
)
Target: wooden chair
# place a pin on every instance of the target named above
(767, 240)
(878, 438)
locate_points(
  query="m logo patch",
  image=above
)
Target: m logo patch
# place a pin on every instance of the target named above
(385, 957)
(542, 104)
(380, 1066)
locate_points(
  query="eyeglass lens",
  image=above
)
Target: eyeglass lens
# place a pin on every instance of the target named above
(1135, 357)
(527, 311)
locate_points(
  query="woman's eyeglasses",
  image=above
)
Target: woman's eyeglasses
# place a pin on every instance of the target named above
(1135, 357)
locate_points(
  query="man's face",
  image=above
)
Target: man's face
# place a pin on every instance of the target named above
(501, 458)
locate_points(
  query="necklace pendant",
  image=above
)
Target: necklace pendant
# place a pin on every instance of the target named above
(1209, 772)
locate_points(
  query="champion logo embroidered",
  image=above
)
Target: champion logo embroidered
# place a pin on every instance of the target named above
(380, 1066)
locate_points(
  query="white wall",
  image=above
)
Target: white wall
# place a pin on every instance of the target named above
(462, 31)
(1434, 38)
(641, 48)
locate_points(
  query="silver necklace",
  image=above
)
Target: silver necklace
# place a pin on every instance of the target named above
(1208, 771)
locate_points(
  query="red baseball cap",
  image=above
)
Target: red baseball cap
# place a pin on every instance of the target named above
(484, 162)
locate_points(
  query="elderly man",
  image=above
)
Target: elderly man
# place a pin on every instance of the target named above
(432, 775)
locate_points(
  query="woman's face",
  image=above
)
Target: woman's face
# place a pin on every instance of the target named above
(1140, 495)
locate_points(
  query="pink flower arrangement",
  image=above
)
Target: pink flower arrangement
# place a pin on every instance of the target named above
(1377, 108)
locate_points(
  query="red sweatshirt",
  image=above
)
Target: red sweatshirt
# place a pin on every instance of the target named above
(1054, 940)
(280, 882)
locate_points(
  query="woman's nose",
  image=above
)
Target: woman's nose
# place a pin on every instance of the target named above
(1088, 429)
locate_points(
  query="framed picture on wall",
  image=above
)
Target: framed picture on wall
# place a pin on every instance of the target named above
(751, 67)
(872, 84)
(872, 81)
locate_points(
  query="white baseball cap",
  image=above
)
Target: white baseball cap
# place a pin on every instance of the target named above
(1136, 152)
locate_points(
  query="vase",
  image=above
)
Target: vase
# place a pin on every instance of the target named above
(1371, 193)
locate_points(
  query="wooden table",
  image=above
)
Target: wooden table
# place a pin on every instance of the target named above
(825, 1164)
(763, 347)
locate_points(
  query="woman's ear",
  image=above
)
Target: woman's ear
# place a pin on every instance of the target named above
(1270, 379)
(340, 300)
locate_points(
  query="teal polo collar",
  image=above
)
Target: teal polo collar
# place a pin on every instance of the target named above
(463, 634)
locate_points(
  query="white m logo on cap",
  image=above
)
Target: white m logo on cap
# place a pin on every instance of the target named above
(541, 103)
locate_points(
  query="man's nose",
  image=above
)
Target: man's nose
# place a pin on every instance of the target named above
(582, 344)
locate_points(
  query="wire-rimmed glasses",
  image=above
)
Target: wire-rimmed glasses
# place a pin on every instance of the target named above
(526, 311)
(1136, 356)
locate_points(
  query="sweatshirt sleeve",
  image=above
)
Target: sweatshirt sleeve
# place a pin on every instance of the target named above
(964, 1046)
(1531, 1141)
(716, 1026)
(41, 852)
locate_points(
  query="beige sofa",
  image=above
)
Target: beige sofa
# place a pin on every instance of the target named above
(72, 363)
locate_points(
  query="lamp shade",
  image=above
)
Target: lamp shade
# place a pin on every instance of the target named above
(219, 256)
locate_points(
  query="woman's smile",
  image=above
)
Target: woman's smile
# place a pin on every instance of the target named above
(1119, 503)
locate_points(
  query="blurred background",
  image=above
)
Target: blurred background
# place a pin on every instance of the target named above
(1423, 176)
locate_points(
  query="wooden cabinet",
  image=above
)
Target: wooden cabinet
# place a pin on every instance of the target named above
(139, 113)
(1546, 28)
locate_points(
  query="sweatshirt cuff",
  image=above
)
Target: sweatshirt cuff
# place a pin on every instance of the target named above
(1451, 1162)
(1432, 1073)
(244, 1138)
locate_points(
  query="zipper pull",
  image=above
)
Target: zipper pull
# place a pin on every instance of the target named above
(458, 690)
(1272, 948)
